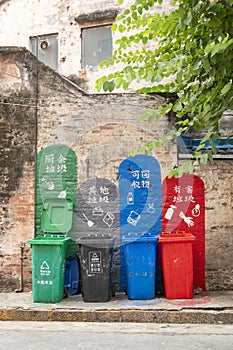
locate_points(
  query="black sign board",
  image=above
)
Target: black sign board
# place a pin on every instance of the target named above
(97, 207)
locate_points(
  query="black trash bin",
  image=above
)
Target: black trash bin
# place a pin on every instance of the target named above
(95, 255)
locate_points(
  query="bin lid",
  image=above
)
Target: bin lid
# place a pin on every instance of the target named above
(176, 237)
(96, 240)
(57, 215)
(134, 237)
(45, 240)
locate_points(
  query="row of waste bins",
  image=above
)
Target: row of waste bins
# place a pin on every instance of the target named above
(51, 270)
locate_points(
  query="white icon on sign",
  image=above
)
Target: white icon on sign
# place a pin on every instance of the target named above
(97, 211)
(130, 198)
(133, 218)
(94, 255)
(89, 222)
(109, 219)
(49, 184)
(196, 210)
(151, 208)
(187, 219)
(62, 194)
(170, 212)
(44, 266)
(44, 269)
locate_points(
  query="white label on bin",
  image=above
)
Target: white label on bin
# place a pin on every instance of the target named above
(95, 262)
(45, 269)
(42, 282)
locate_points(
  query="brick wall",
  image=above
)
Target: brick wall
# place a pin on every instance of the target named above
(17, 148)
(218, 179)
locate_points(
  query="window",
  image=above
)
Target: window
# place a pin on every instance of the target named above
(96, 45)
(45, 48)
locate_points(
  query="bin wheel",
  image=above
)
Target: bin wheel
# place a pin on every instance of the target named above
(113, 290)
(125, 290)
(66, 292)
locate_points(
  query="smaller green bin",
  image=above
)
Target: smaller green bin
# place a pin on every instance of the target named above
(48, 267)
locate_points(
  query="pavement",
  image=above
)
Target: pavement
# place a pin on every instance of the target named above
(211, 307)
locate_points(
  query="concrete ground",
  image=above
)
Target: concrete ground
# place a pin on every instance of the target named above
(215, 307)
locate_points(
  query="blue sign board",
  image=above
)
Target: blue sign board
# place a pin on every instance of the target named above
(140, 199)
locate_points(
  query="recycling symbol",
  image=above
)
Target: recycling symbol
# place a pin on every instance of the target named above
(45, 269)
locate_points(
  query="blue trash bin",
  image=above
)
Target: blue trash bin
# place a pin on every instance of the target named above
(72, 275)
(140, 260)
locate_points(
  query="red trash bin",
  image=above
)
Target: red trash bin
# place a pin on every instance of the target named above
(177, 264)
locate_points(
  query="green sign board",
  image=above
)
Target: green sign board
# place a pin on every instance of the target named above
(56, 181)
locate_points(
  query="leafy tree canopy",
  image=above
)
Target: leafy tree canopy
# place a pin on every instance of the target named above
(194, 48)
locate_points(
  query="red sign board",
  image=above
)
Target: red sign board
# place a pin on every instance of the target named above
(184, 210)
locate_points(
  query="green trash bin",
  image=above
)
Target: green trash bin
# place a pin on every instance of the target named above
(48, 267)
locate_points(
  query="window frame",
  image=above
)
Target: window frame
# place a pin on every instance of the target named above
(95, 19)
(42, 40)
(84, 66)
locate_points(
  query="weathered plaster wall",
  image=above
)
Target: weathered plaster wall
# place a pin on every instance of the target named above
(38, 17)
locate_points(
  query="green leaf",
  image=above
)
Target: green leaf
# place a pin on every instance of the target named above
(179, 76)
(121, 28)
(135, 15)
(172, 173)
(217, 48)
(187, 167)
(214, 149)
(204, 159)
(139, 10)
(105, 86)
(206, 64)
(210, 156)
(177, 106)
(111, 86)
(209, 47)
(114, 27)
(99, 83)
(226, 88)
(118, 82)
(108, 86)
